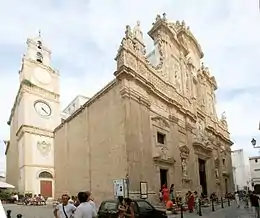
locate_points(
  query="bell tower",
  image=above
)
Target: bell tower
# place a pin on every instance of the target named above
(34, 116)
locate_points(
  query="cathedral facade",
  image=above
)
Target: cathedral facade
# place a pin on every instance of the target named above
(156, 122)
(34, 115)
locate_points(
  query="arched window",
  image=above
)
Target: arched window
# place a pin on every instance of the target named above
(45, 175)
(39, 45)
(39, 57)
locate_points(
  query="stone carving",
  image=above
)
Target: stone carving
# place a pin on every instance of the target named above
(184, 167)
(223, 116)
(137, 33)
(44, 148)
(184, 152)
(200, 129)
(177, 78)
(161, 122)
(217, 173)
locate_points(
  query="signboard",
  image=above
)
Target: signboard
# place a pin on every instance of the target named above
(143, 190)
(120, 187)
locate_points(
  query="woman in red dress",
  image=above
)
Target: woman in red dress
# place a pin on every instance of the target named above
(190, 202)
(165, 194)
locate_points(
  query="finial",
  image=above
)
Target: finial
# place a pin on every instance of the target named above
(164, 16)
(223, 115)
(183, 23)
(39, 33)
(158, 17)
(138, 23)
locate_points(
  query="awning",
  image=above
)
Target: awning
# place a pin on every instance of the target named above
(5, 185)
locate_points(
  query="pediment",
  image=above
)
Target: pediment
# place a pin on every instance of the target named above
(202, 146)
(160, 121)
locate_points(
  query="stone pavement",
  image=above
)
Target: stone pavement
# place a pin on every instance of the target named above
(30, 211)
(227, 212)
(46, 212)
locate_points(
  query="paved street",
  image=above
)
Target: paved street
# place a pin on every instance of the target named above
(46, 212)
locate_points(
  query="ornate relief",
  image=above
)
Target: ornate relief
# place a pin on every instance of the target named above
(177, 77)
(44, 147)
(163, 155)
(161, 122)
(184, 151)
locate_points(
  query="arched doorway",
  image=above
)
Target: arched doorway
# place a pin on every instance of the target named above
(46, 179)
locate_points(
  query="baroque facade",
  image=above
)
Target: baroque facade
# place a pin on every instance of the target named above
(155, 122)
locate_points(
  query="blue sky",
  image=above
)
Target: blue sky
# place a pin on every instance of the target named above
(84, 37)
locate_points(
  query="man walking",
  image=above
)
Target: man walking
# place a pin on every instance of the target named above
(254, 199)
(85, 209)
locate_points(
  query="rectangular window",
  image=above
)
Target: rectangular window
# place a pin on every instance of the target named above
(256, 160)
(160, 138)
(256, 169)
(224, 162)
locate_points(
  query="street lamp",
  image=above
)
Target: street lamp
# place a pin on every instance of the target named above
(253, 142)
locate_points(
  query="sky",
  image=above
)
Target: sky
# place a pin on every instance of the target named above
(84, 36)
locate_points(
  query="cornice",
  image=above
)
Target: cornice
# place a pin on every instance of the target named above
(33, 130)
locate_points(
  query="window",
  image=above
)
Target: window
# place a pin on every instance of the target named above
(160, 138)
(224, 162)
(256, 160)
(39, 45)
(109, 206)
(45, 174)
(39, 57)
(144, 206)
(256, 169)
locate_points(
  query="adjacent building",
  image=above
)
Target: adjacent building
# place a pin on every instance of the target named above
(241, 173)
(155, 122)
(255, 172)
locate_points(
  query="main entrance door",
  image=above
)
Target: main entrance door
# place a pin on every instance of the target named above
(202, 175)
(163, 177)
(46, 188)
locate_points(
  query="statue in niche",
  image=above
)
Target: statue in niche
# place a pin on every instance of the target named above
(184, 167)
(200, 129)
(216, 173)
(223, 116)
(177, 78)
(138, 34)
(187, 82)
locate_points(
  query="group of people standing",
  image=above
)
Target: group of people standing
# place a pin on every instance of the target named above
(125, 208)
(84, 207)
(167, 196)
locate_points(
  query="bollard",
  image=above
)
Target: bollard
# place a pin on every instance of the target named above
(181, 211)
(212, 205)
(222, 205)
(8, 213)
(200, 212)
(228, 201)
(19, 215)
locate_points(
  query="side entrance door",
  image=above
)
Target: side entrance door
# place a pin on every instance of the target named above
(46, 188)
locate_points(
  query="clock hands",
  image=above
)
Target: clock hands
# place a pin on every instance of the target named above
(44, 110)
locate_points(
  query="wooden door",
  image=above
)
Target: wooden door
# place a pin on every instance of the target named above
(46, 188)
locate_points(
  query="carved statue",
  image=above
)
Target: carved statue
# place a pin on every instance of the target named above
(184, 167)
(216, 173)
(138, 34)
(223, 116)
(177, 78)
(187, 82)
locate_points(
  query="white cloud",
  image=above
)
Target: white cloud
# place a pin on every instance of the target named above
(85, 35)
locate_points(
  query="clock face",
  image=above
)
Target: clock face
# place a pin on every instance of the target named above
(42, 75)
(42, 108)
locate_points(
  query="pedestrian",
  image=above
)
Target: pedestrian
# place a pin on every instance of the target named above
(64, 209)
(121, 207)
(196, 202)
(129, 209)
(85, 209)
(254, 199)
(91, 200)
(190, 201)
(165, 194)
(172, 196)
(237, 199)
